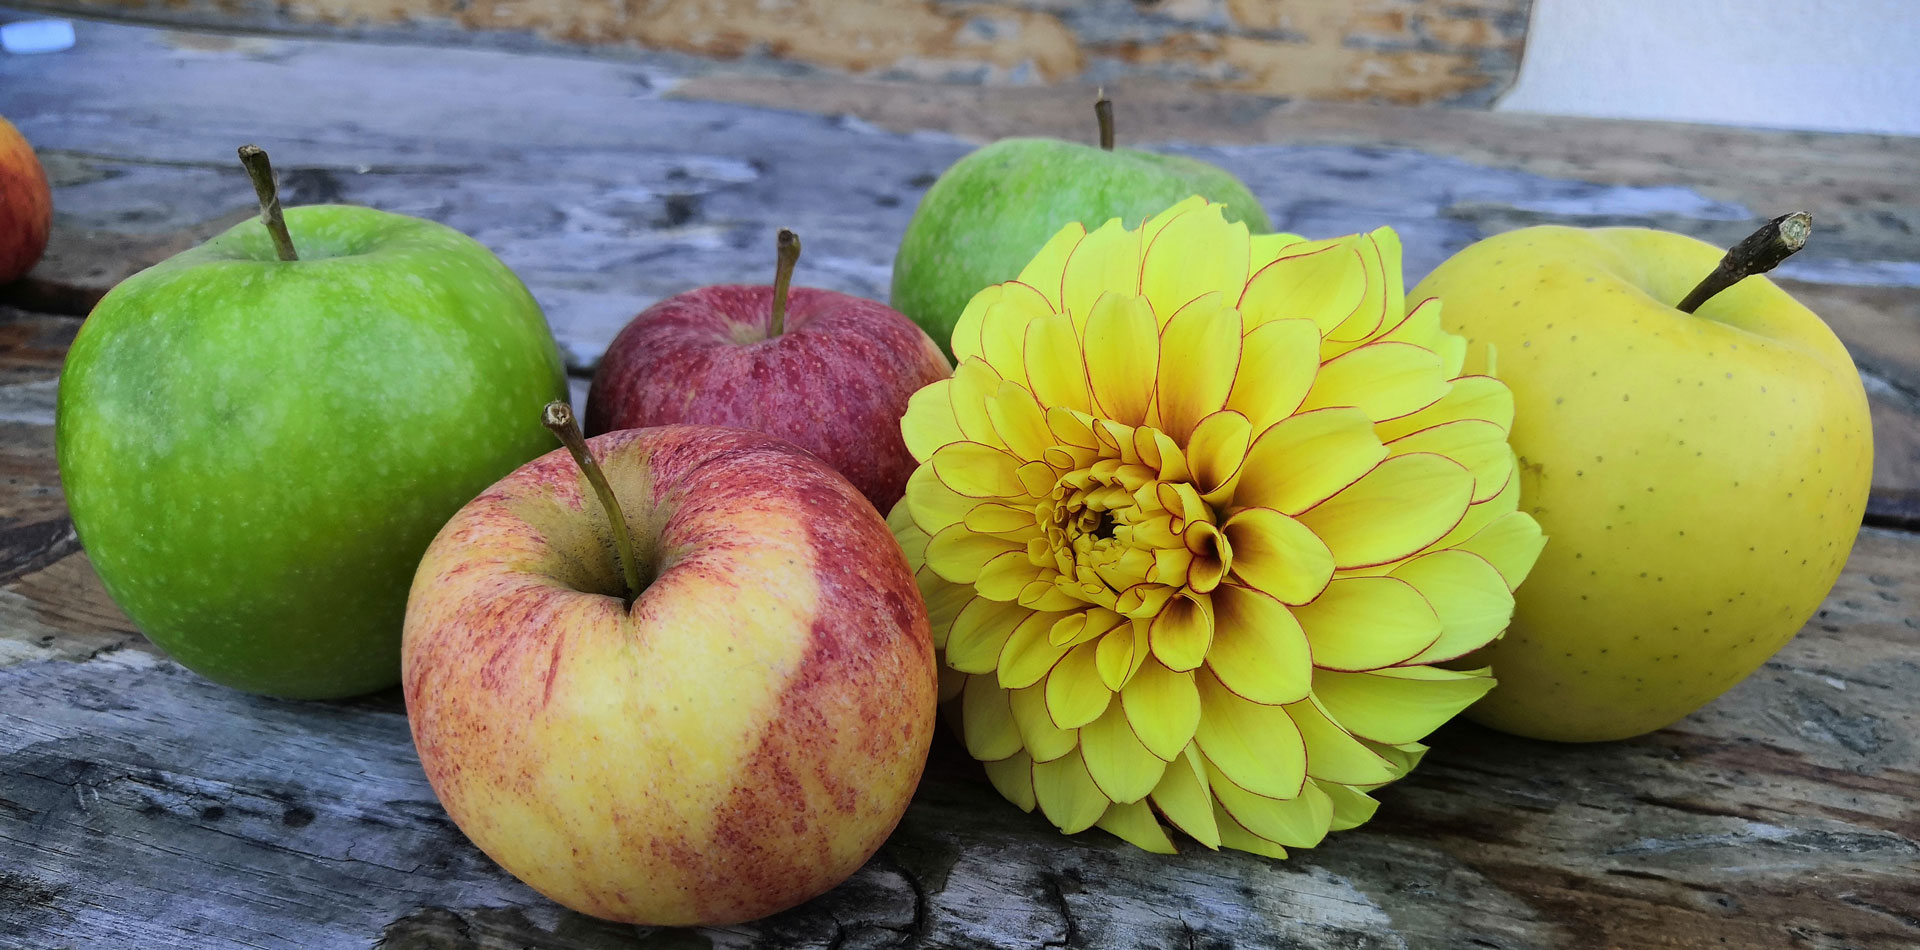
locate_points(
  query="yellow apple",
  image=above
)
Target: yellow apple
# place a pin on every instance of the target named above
(1700, 476)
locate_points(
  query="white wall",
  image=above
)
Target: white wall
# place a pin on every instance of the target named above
(1840, 65)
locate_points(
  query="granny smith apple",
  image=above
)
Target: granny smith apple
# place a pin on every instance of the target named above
(256, 451)
(1700, 476)
(983, 219)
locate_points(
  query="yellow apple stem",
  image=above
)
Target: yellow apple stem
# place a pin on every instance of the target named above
(558, 417)
(1757, 253)
(788, 250)
(1103, 113)
(254, 158)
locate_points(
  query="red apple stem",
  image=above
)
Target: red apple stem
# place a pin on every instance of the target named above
(558, 417)
(1757, 253)
(1103, 113)
(254, 158)
(788, 250)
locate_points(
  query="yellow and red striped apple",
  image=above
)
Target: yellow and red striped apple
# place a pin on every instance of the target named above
(740, 739)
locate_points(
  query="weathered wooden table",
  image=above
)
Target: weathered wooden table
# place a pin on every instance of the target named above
(141, 806)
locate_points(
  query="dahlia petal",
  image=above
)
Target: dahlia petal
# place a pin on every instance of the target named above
(1211, 551)
(1281, 359)
(1027, 655)
(1143, 600)
(974, 382)
(977, 470)
(1123, 352)
(1066, 793)
(1044, 740)
(1479, 516)
(1182, 796)
(1151, 227)
(966, 330)
(1182, 631)
(1037, 478)
(1216, 452)
(1478, 446)
(1195, 253)
(1163, 707)
(931, 504)
(1046, 273)
(1236, 836)
(1056, 367)
(1159, 452)
(1267, 248)
(1004, 577)
(1259, 651)
(1256, 746)
(1334, 755)
(1019, 422)
(1010, 521)
(1045, 594)
(1406, 503)
(1120, 654)
(1199, 359)
(1075, 695)
(1366, 623)
(986, 720)
(1404, 756)
(1397, 705)
(1422, 328)
(1106, 261)
(1511, 543)
(1134, 823)
(1367, 317)
(913, 538)
(980, 633)
(1351, 807)
(1003, 330)
(1083, 626)
(1472, 599)
(958, 555)
(1012, 777)
(944, 603)
(929, 422)
(1469, 397)
(1306, 459)
(1123, 768)
(1319, 283)
(1384, 380)
(1278, 555)
(1300, 821)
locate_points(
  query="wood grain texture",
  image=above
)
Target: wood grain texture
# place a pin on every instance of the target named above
(141, 806)
(1401, 51)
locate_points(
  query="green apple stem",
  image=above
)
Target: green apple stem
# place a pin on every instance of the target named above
(788, 248)
(1103, 112)
(1757, 253)
(261, 171)
(558, 417)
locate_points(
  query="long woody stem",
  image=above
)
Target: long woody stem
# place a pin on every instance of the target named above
(558, 417)
(1757, 253)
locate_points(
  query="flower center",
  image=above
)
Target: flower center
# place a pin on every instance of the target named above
(1121, 537)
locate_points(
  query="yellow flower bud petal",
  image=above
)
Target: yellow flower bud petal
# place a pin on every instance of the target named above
(1306, 459)
(1472, 599)
(1276, 554)
(1256, 746)
(1119, 764)
(1401, 704)
(1163, 707)
(1135, 824)
(1259, 651)
(1066, 793)
(1403, 505)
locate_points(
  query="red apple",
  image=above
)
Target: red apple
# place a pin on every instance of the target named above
(738, 740)
(26, 205)
(833, 377)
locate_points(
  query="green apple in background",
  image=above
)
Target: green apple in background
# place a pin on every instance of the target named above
(1700, 473)
(256, 451)
(982, 221)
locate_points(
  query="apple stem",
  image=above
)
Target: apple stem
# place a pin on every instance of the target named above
(558, 417)
(1103, 112)
(254, 158)
(1757, 253)
(788, 250)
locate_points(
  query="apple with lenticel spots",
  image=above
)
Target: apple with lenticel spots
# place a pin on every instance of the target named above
(711, 719)
(257, 449)
(829, 372)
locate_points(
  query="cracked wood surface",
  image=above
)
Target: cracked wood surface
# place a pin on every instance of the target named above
(141, 806)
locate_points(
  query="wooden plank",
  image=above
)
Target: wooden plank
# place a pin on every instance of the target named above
(141, 805)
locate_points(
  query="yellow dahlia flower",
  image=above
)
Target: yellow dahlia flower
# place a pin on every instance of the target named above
(1196, 516)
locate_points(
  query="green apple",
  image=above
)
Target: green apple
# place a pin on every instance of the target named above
(982, 221)
(257, 451)
(1700, 476)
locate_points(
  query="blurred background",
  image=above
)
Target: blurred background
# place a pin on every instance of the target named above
(1837, 65)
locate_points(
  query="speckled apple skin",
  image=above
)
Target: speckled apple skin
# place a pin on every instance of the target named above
(742, 740)
(256, 452)
(835, 382)
(26, 205)
(1700, 477)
